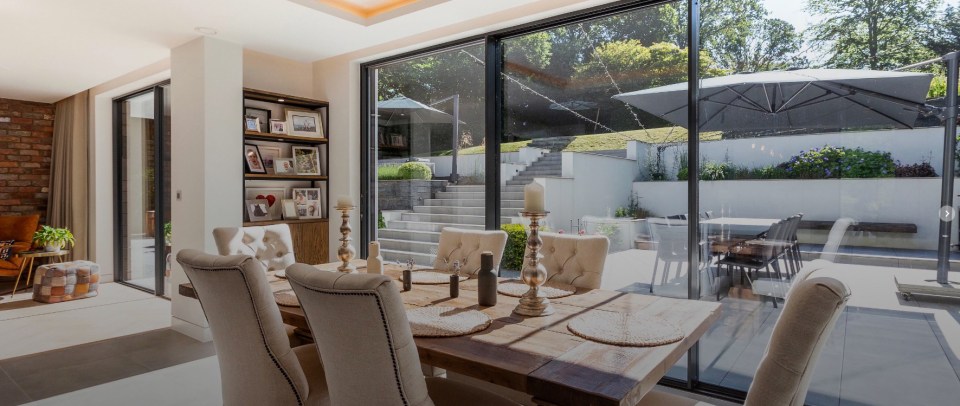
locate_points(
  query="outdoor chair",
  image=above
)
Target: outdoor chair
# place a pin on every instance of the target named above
(762, 254)
(672, 249)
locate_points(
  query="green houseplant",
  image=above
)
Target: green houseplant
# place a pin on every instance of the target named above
(53, 239)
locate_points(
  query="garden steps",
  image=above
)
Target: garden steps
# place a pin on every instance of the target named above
(451, 219)
(463, 210)
(409, 235)
(428, 226)
(419, 257)
(420, 247)
(478, 195)
(547, 166)
(506, 204)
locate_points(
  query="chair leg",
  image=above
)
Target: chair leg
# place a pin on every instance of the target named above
(656, 264)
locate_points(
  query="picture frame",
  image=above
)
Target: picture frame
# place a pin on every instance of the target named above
(262, 114)
(309, 202)
(274, 197)
(304, 123)
(257, 210)
(290, 209)
(251, 153)
(283, 166)
(278, 126)
(251, 123)
(306, 160)
(269, 155)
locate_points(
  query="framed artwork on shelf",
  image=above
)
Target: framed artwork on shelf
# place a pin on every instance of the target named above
(273, 196)
(290, 209)
(254, 162)
(283, 166)
(251, 123)
(262, 115)
(278, 126)
(308, 202)
(258, 210)
(304, 123)
(269, 155)
(306, 160)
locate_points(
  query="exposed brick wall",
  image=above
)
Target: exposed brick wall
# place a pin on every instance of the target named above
(25, 144)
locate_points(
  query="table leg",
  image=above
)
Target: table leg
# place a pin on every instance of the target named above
(19, 274)
(29, 280)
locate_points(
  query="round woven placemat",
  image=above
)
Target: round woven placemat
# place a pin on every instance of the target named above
(432, 278)
(444, 321)
(281, 274)
(516, 288)
(625, 330)
(286, 297)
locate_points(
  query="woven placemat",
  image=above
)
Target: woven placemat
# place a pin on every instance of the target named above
(432, 277)
(286, 297)
(516, 288)
(444, 321)
(625, 330)
(281, 274)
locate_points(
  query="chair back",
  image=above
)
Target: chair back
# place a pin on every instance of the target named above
(809, 314)
(363, 335)
(257, 365)
(835, 238)
(271, 245)
(671, 241)
(457, 244)
(574, 259)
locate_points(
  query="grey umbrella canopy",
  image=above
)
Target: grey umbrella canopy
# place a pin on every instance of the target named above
(805, 98)
(400, 109)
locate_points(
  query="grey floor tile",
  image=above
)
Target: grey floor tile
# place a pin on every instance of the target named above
(69, 378)
(10, 392)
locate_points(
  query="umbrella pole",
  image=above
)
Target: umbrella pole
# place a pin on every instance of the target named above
(949, 157)
(454, 177)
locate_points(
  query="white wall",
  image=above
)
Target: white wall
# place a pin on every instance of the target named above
(907, 146)
(278, 75)
(602, 183)
(894, 200)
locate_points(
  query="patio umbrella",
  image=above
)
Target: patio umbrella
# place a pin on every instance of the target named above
(401, 110)
(804, 98)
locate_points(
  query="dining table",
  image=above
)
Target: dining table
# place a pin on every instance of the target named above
(540, 356)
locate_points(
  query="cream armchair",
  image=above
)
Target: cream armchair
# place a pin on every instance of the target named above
(271, 245)
(465, 246)
(574, 259)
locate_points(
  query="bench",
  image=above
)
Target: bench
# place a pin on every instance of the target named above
(905, 228)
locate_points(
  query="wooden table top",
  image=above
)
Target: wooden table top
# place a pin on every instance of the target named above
(538, 355)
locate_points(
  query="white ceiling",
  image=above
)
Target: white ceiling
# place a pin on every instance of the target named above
(51, 49)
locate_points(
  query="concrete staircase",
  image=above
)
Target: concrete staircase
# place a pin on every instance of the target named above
(548, 165)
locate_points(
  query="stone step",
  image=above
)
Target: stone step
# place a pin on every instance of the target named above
(465, 188)
(462, 210)
(419, 258)
(511, 189)
(420, 247)
(428, 226)
(450, 219)
(408, 235)
(478, 195)
(511, 204)
(538, 173)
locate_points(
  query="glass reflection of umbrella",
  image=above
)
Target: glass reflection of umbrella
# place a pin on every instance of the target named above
(578, 105)
(404, 110)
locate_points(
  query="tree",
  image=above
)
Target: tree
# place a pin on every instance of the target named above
(945, 33)
(769, 44)
(874, 34)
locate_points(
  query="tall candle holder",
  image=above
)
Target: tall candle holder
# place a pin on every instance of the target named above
(346, 252)
(534, 303)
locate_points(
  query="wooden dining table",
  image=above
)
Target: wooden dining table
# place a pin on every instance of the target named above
(539, 355)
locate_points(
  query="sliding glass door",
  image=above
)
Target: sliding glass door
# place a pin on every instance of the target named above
(142, 158)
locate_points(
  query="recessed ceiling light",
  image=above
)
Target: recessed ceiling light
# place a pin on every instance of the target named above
(205, 30)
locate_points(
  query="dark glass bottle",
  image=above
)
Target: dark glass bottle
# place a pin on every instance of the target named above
(487, 281)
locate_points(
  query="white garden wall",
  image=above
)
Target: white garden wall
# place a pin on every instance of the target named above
(896, 200)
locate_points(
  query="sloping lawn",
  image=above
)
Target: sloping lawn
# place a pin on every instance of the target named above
(608, 141)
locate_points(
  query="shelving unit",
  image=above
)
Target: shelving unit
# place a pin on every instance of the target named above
(310, 235)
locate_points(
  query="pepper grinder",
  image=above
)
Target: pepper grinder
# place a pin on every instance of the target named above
(375, 260)
(455, 280)
(487, 281)
(408, 276)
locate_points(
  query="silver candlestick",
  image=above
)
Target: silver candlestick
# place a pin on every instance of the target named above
(534, 274)
(346, 252)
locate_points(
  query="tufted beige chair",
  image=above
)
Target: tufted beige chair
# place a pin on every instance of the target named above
(574, 259)
(811, 310)
(362, 332)
(272, 245)
(466, 245)
(257, 364)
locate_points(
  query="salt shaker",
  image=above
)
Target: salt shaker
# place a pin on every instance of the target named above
(455, 280)
(408, 276)
(487, 281)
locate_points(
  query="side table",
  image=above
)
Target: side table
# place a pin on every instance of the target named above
(28, 259)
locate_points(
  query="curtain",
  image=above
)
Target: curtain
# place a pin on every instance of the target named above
(69, 171)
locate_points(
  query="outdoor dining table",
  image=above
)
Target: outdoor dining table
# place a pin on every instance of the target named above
(539, 355)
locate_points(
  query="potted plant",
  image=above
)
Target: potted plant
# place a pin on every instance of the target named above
(53, 239)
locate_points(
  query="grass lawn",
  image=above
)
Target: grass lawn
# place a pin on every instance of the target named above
(608, 141)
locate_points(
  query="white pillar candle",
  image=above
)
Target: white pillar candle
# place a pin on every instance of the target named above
(344, 201)
(533, 198)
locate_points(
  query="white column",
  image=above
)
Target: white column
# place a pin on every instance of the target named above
(206, 158)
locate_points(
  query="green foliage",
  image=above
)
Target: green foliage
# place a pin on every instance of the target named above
(381, 223)
(938, 87)
(944, 35)
(840, 162)
(612, 232)
(415, 170)
(658, 64)
(621, 212)
(168, 233)
(716, 171)
(47, 235)
(516, 244)
(388, 172)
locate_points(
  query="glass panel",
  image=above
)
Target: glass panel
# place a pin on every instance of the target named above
(602, 161)
(138, 191)
(166, 191)
(838, 161)
(430, 164)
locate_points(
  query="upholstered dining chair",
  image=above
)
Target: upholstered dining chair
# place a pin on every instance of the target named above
(271, 245)
(257, 364)
(574, 259)
(457, 244)
(365, 342)
(813, 305)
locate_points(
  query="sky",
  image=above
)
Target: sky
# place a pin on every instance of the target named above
(793, 12)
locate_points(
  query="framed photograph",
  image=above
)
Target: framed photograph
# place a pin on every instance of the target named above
(273, 196)
(308, 202)
(251, 123)
(278, 127)
(304, 123)
(282, 166)
(254, 162)
(302, 195)
(306, 160)
(257, 210)
(290, 209)
(269, 156)
(261, 114)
